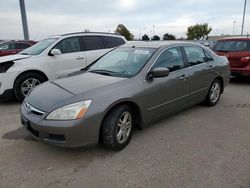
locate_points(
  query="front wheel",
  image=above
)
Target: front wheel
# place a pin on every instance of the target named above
(214, 93)
(117, 128)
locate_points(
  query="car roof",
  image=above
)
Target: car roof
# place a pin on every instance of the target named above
(86, 33)
(156, 44)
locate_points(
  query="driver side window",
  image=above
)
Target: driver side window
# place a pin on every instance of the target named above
(171, 59)
(69, 45)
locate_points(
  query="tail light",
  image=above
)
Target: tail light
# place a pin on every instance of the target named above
(245, 59)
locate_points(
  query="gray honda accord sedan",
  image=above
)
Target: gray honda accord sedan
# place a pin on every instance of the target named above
(129, 87)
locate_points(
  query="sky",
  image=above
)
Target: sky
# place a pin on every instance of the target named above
(51, 17)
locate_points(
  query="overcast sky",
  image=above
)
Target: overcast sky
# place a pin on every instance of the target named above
(50, 17)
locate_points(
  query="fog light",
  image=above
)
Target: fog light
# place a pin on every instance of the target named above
(0, 84)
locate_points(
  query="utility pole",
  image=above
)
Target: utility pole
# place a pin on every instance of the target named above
(243, 20)
(24, 20)
(234, 27)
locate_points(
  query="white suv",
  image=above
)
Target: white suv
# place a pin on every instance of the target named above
(50, 59)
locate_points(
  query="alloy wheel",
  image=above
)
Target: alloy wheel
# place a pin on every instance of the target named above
(29, 84)
(124, 127)
(215, 92)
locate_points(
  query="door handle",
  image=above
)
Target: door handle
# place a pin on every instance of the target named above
(183, 77)
(79, 58)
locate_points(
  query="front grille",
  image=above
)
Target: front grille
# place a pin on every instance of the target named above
(32, 110)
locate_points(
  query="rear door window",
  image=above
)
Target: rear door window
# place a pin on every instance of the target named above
(111, 42)
(195, 55)
(93, 43)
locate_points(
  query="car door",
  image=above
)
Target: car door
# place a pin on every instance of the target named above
(72, 57)
(200, 72)
(165, 95)
(94, 48)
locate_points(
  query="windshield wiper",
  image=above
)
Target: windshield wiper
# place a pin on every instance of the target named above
(104, 72)
(108, 73)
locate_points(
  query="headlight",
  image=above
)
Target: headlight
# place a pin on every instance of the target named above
(70, 112)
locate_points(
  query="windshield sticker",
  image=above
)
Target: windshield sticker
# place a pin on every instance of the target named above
(142, 52)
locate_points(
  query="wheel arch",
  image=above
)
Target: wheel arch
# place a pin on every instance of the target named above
(31, 71)
(135, 108)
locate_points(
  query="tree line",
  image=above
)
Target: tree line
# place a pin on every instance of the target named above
(194, 32)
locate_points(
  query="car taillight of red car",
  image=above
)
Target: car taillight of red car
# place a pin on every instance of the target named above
(245, 59)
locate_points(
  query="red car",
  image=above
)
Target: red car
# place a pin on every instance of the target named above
(237, 50)
(14, 47)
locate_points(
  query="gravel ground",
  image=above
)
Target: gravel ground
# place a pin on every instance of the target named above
(198, 147)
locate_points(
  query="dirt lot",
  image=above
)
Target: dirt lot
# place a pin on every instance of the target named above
(199, 147)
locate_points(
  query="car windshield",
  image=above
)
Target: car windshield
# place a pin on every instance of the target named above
(122, 62)
(38, 47)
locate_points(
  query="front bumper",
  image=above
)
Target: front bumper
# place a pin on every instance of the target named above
(72, 133)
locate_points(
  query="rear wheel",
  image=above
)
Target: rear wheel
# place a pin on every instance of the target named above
(26, 82)
(117, 128)
(214, 93)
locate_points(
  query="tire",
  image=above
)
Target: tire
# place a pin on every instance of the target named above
(116, 134)
(22, 81)
(214, 93)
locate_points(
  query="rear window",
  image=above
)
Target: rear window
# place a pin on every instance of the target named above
(232, 46)
(111, 42)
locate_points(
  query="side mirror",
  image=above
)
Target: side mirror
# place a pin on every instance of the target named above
(158, 72)
(55, 52)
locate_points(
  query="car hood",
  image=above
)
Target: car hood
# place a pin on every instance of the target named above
(86, 82)
(60, 92)
(13, 57)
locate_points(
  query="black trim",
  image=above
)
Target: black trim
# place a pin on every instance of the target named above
(184, 57)
(7, 95)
